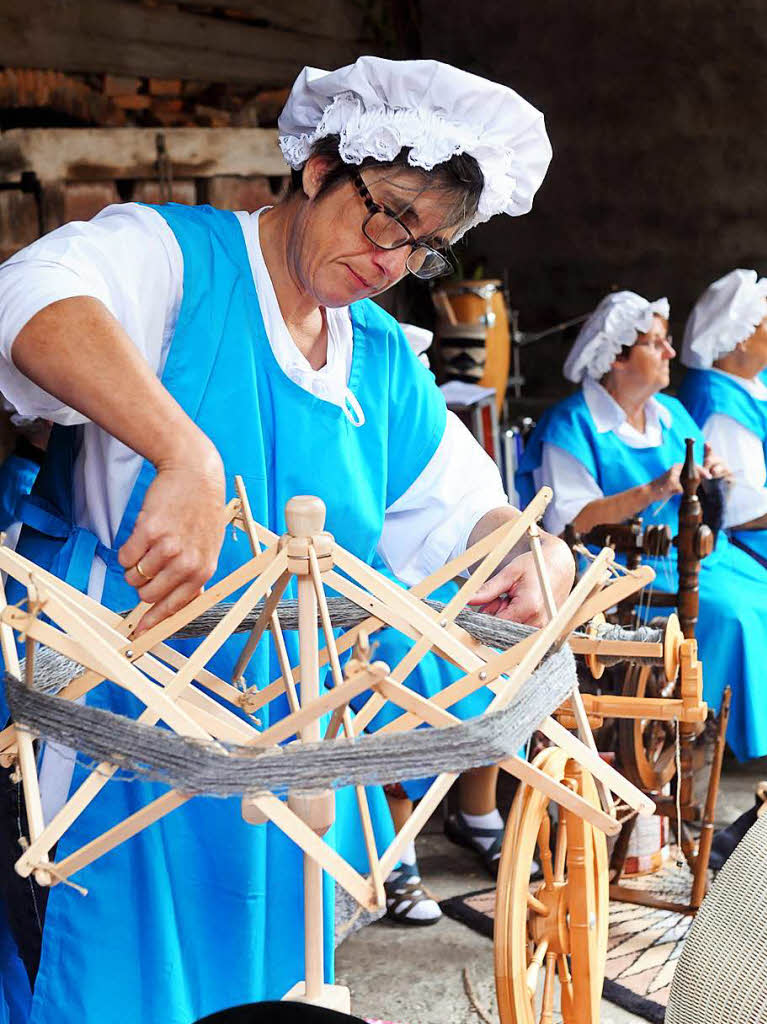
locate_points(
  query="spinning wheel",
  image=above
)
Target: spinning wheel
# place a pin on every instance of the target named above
(557, 928)
(647, 745)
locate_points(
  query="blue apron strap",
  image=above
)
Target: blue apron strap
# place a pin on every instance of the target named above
(80, 547)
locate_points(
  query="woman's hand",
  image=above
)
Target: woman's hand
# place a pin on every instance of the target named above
(668, 484)
(174, 548)
(714, 466)
(515, 592)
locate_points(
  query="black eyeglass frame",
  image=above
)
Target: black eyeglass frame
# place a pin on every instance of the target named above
(373, 208)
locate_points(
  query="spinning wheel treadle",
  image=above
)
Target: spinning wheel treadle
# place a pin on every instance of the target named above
(551, 937)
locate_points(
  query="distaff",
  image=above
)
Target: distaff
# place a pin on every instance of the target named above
(210, 344)
(613, 450)
(725, 348)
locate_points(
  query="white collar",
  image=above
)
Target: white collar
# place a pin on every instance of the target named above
(610, 415)
(755, 386)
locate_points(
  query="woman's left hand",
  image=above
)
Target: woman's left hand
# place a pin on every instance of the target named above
(515, 593)
(714, 465)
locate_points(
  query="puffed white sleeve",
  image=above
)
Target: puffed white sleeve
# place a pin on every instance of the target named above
(432, 521)
(127, 257)
(743, 452)
(573, 486)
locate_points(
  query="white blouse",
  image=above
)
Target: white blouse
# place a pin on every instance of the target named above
(129, 259)
(743, 451)
(574, 486)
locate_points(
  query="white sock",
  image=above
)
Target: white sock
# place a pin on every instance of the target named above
(492, 819)
(425, 909)
(408, 854)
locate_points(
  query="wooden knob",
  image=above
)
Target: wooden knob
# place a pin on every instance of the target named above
(305, 515)
(704, 541)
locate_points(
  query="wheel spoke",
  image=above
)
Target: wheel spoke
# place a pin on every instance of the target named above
(547, 1003)
(565, 985)
(544, 849)
(535, 966)
(536, 906)
(560, 852)
(664, 758)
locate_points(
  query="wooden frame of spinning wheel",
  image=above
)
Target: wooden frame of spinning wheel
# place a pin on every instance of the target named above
(686, 708)
(179, 690)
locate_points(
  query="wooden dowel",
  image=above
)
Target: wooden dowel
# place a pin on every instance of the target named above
(581, 719)
(600, 769)
(277, 635)
(273, 596)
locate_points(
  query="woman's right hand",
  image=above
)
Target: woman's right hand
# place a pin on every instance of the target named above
(668, 483)
(174, 548)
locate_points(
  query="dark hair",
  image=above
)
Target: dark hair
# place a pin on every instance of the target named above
(460, 177)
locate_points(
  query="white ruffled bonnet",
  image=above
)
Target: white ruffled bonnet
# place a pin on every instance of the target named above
(379, 106)
(617, 321)
(728, 312)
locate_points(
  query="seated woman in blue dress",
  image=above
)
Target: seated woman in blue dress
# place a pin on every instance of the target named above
(725, 348)
(615, 450)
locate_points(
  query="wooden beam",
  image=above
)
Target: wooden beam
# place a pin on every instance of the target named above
(339, 19)
(101, 154)
(123, 38)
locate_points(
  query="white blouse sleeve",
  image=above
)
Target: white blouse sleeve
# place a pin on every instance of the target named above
(127, 257)
(574, 487)
(432, 521)
(743, 452)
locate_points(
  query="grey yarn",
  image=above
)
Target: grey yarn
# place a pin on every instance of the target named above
(487, 629)
(195, 766)
(643, 634)
(721, 976)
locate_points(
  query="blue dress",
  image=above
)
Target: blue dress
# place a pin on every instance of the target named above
(17, 477)
(732, 621)
(203, 911)
(705, 392)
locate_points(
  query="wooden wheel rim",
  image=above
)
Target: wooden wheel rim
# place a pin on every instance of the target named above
(637, 765)
(588, 946)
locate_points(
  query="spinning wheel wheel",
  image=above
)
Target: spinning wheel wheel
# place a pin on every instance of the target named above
(647, 745)
(557, 928)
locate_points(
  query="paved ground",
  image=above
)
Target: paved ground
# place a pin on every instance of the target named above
(415, 975)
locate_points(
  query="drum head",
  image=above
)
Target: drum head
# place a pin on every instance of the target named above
(279, 1013)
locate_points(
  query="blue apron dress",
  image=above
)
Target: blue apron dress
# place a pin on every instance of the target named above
(732, 621)
(705, 392)
(432, 675)
(17, 477)
(202, 911)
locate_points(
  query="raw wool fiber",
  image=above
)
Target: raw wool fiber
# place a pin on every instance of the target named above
(194, 766)
(487, 629)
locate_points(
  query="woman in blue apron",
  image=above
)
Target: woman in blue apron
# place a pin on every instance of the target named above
(194, 344)
(614, 450)
(725, 348)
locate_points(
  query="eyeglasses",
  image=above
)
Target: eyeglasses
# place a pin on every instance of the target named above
(386, 231)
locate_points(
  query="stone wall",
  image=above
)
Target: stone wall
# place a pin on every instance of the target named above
(656, 111)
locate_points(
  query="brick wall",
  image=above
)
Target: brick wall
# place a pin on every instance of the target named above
(83, 200)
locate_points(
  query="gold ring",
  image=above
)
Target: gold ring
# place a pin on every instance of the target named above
(141, 572)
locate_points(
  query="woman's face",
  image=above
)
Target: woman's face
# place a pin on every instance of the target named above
(330, 257)
(756, 345)
(647, 367)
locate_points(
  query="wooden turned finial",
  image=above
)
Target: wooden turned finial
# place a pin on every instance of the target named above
(305, 515)
(690, 517)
